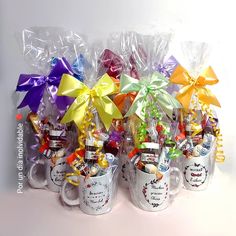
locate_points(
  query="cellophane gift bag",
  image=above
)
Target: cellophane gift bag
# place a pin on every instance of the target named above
(150, 143)
(198, 134)
(49, 52)
(94, 162)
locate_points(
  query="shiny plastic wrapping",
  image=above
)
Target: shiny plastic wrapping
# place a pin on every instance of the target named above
(141, 53)
(94, 163)
(95, 112)
(147, 118)
(49, 52)
(41, 44)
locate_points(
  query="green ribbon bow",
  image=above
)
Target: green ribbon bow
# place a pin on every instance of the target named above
(154, 86)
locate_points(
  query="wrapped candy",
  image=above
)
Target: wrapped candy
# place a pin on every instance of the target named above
(198, 126)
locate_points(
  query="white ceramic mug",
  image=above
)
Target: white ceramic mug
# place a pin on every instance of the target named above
(94, 194)
(53, 177)
(197, 171)
(151, 194)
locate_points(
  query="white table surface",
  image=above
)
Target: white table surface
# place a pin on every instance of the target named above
(39, 212)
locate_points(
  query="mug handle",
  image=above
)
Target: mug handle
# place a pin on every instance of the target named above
(175, 190)
(63, 192)
(33, 181)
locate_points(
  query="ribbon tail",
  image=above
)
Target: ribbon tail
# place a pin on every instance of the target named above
(138, 107)
(207, 97)
(185, 95)
(107, 110)
(33, 98)
(129, 84)
(167, 103)
(75, 112)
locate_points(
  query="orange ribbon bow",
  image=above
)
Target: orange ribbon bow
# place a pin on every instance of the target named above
(195, 86)
(121, 98)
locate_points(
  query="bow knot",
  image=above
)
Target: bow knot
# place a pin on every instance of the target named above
(93, 93)
(83, 95)
(153, 86)
(149, 89)
(35, 85)
(192, 86)
(193, 81)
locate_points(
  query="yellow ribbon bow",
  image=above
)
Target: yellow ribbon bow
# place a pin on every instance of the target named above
(195, 86)
(107, 110)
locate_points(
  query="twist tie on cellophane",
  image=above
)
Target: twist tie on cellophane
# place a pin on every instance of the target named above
(196, 87)
(81, 112)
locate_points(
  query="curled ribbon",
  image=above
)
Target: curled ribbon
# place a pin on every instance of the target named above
(154, 86)
(219, 155)
(192, 86)
(83, 95)
(35, 86)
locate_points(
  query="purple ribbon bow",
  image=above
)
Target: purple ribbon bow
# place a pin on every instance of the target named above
(35, 85)
(167, 68)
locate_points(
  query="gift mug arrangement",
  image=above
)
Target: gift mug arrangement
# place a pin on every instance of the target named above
(124, 115)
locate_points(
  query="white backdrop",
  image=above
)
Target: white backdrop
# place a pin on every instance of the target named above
(208, 20)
